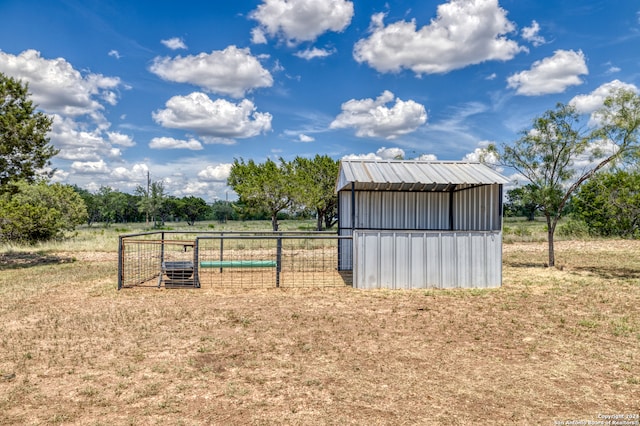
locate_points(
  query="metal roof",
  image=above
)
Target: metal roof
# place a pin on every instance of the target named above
(413, 175)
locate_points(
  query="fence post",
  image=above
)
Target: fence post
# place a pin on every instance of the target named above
(196, 263)
(278, 260)
(120, 261)
(161, 257)
(221, 248)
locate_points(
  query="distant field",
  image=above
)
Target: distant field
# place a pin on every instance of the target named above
(549, 345)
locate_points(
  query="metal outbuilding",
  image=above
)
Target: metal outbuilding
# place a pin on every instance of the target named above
(420, 224)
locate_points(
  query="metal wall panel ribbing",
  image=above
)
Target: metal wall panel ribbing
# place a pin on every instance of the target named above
(344, 208)
(448, 261)
(397, 210)
(475, 209)
(427, 259)
(345, 247)
(478, 208)
(432, 210)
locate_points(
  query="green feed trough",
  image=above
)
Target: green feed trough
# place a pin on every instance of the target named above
(238, 264)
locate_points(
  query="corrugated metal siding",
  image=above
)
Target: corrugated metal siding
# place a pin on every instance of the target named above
(427, 259)
(397, 210)
(345, 247)
(345, 251)
(475, 209)
(344, 209)
(432, 211)
(478, 209)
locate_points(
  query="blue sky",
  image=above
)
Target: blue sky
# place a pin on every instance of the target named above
(180, 89)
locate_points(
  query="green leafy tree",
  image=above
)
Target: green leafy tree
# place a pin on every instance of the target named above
(546, 154)
(24, 146)
(265, 186)
(609, 204)
(521, 202)
(193, 208)
(131, 212)
(223, 210)
(107, 202)
(36, 212)
(151, 201)
(91, 202)
(315, 180)
(171, 209)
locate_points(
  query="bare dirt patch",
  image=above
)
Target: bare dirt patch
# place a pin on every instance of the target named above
(92, 256)
(15, 260)
(549, 345)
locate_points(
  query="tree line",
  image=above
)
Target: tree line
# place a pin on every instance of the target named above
(300, 188)
(608, 205)
(304, 185)
(559, 156)
(589, 171)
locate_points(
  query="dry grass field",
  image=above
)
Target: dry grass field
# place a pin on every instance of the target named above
(551, 345)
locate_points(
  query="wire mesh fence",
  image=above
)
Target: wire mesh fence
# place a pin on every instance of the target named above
(232, 260)
(267, 261)
(141, 256)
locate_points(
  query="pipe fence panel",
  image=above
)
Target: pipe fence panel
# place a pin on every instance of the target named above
(270, 261)
(141, 256)
(232, 260)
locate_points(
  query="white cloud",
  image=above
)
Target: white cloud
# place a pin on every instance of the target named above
(463, 33)
(481, 154)
(75, 100)
(305, 138)
(114, 53)
(120, 139)
(90, 167)
(217, 119)
(219, 173)
(258, 36)
(180, 177)
(531, 34)
(110, 97)
(171, 143)
(390, 153)
(369, 156)
(312, 53)
(382, 153)
(209, 140)
(193, 188)
(57, 87)
(277, 66)
(136, 173)
(587, 104)
(550, 75)
(59, 175)
(301, 20)
(231, 71)
(427, 157)
(174, 43)
(371, 118)
(75, 143)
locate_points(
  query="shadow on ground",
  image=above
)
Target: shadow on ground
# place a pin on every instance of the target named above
(525, 264)
(15, 260)
(610, 272)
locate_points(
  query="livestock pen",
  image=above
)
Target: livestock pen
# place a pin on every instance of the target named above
(231, 259)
